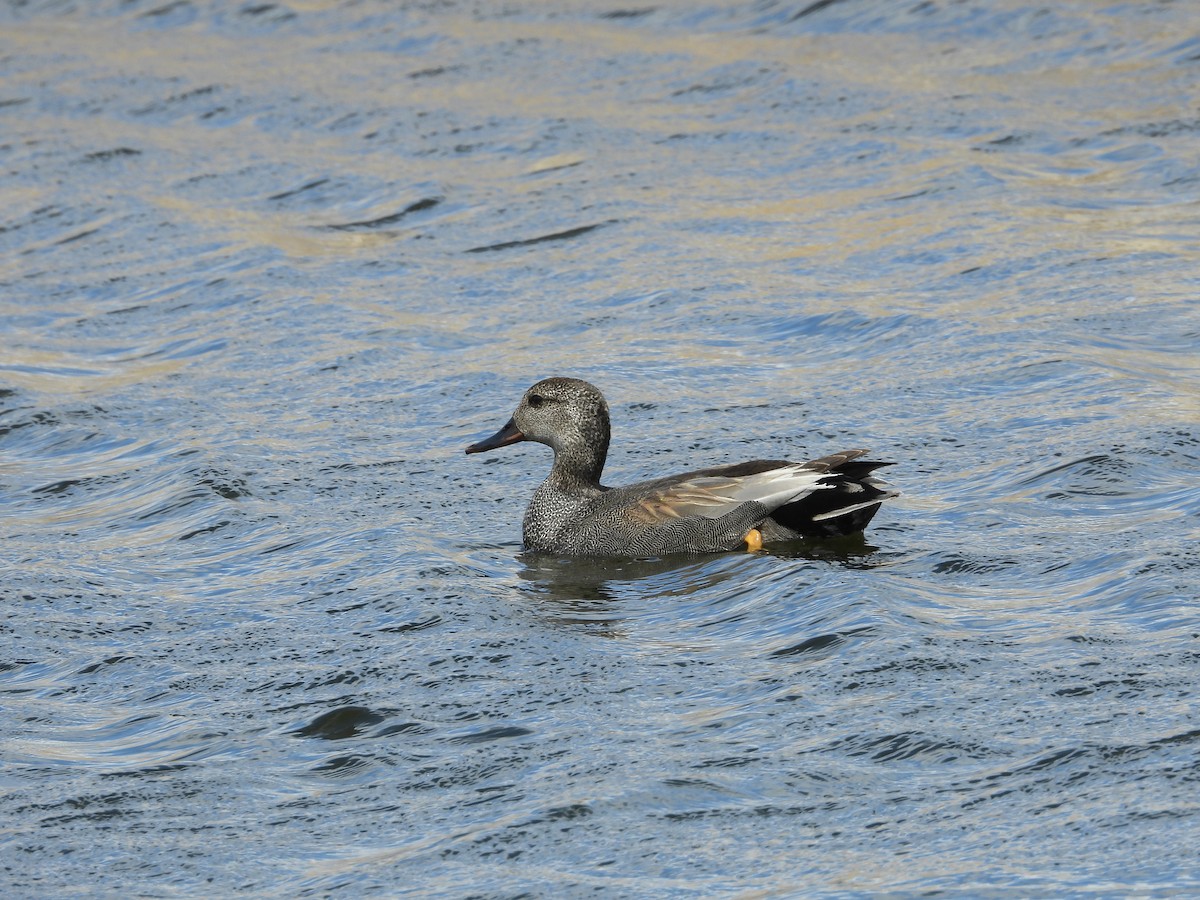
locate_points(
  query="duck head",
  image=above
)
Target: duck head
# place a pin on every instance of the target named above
(567, 415)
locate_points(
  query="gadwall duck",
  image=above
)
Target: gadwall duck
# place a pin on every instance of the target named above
(733, 507)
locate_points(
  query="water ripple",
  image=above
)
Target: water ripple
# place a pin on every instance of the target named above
(265, 623)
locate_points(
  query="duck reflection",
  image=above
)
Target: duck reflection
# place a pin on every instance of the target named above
(603, 592)
(597, 591)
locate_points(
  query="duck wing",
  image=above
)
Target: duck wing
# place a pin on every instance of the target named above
(715, 493)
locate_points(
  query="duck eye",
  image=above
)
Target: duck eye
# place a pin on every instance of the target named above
(536, 400)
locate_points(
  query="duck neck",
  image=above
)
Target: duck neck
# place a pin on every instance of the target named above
(581, 462)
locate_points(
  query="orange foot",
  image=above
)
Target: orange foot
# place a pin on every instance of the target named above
(753, 540)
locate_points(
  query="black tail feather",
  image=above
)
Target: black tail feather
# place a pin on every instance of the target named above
(852, 488)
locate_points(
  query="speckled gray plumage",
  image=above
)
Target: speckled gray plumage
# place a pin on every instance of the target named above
(572, 513)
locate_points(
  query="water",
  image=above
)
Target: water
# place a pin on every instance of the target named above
(267, 269)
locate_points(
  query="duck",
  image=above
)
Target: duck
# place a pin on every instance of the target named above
(742, 506)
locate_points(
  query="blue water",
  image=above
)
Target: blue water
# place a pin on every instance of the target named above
(267, 269)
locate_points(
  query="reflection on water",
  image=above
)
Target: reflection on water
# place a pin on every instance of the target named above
(589, 590)
(267, 266)
(570, 580)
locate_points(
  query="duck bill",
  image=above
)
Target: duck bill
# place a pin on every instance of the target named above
(509, 434)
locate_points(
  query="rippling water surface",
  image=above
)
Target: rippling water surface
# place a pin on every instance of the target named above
(267, 268)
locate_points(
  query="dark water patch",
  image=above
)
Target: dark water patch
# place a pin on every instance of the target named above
(224, 485)
(957, 565)
(729, 762)
(556, 236)
(167, 9)
(434, 71)
(630, 13)
(906, 746)
(272, 12)
(725, 80)
(125, 311)
(498, 732)
(207, 529)
(390, 219)
(922, 193)
(1009, 140)
(339, 724)
(312, 185)
(811, 645)
(57, 487)
(344, 766)
(115, 153)
(97, 666)
(410, 728)
(431, 622)
(186, 98)
(1157, 129)
(812, 8)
